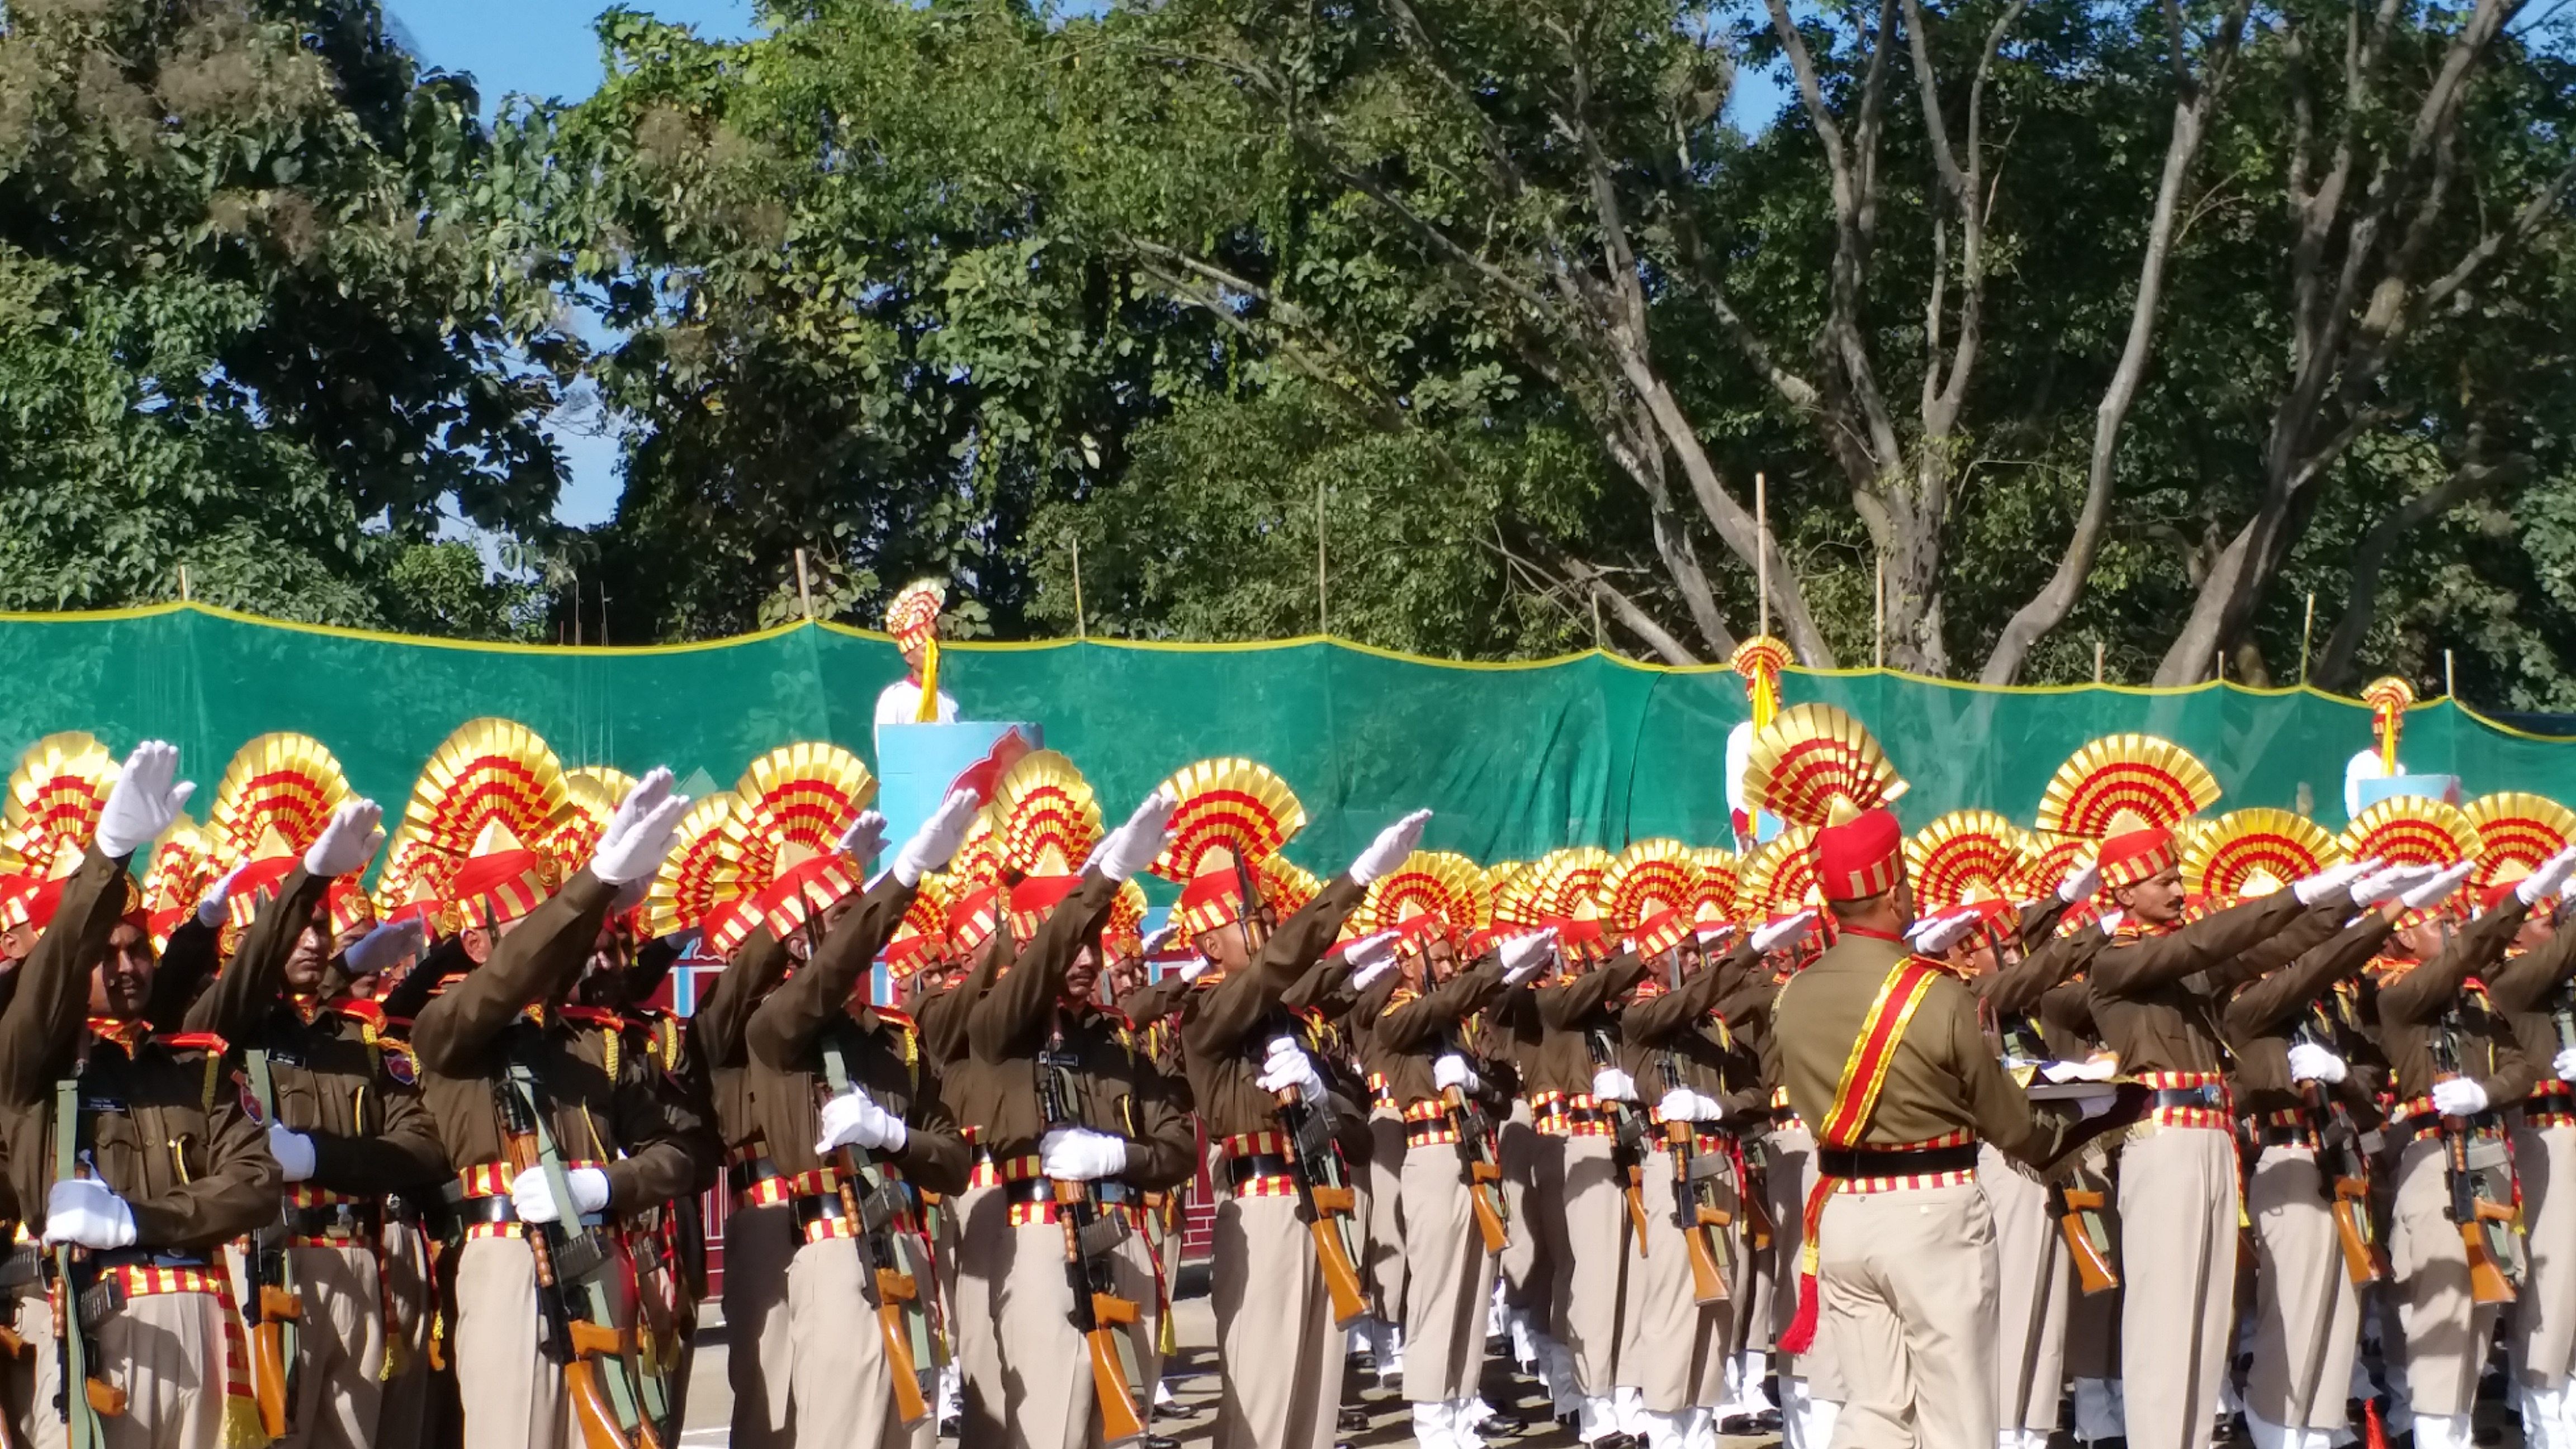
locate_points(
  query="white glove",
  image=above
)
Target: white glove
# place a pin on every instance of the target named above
(2563, 1065)
(210, 906)
(2545, 881)
(377, 951)
(2459, 1097)
(1132, 846)
(1154, 939)
(1613, 1085)
(1451, 1070)
(147, 796)
(2312, 889)
(2312, 1063)
(1288, 1066)
(2383, 883)
(1935, 936)
(2110, 923)
(1078, 1154)
(1680, 1105)
(937, 839)
(1368, 951)
(1524, 955)
(639, 834)
(1390, 848)
(348, 840)
(82, 1211)
(2082, 881)
(854, 1119)
(293, 1151)
(1369, 975)
(864, 838)
(1787, 931)
(535, 1200)
(2438, 889)
(1194, 968)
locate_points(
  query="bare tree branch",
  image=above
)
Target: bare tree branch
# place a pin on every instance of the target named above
(2334, 667)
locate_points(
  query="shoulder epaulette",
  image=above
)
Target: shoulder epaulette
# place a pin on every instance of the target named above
(898, 1018)
(359, 1009)
(195, 1041)
(599, 1016)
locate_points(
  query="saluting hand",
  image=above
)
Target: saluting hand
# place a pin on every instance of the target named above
(348, 840)
(147, 796)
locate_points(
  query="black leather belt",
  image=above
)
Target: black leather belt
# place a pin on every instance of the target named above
(2275, 1134)
(1902, 1162)
(494, 1209)
(1240, 1170)
(1039, 1189)
(743, 1176)
(2201, 1096)
(354, 1221)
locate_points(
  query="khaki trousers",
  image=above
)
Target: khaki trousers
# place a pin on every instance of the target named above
(1533, 1171)
(1749, 1291)
(2543, 1339)
(760, 1242)
(1792, 1177)
(1907, 1284)
(2178, 1220)
(1450, 1279)
(1588, 1276)
(2307, 1312)
(513, 1394)
(166, 1351)
(404, 1408)
(975, 1289)
(1675, 1348)
(838, 1378)
(1279, 1358)
(339, 1350)
(1384, 1274)
(2032, 1282)
(2447, 1332)
(1045, 1364)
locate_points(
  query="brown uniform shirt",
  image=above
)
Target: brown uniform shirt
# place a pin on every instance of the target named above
(651, 1148)
(1943, 1078)
(1155, 1000)
(162, 1127)
(716, 1030)
(2526, 990)
(2412, 1007)
(1569, 1012)
(1413, 1030)
(371, 1134)
(2264, 1019)
(2155, 998)
(1226, 1028)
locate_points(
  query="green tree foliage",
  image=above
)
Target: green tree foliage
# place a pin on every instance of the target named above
(249, 324)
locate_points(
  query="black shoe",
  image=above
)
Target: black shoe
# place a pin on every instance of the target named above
(1161, 1441)
(1738, 1426)
(1353, 1421)
(1502, 1425)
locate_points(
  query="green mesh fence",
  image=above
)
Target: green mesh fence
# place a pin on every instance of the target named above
(1516, 759)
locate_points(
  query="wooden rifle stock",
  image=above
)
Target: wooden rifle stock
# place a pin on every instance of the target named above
(1635, 1192)
(590, 1408)
(1693, 1217)
(894, 1290)
(1341, 1280)
(1324, 1204)
(2486, 1281)
(11, 1344)
(268, 1371)
(1099, 1315)
(2093, 1270)
(2364, 1261)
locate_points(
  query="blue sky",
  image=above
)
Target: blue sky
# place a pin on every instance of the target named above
(547, 48)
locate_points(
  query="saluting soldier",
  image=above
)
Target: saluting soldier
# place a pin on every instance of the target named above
(499, 1038)
(164, 1171)
(344, 1131)
(890, 1112)
(2531, 990)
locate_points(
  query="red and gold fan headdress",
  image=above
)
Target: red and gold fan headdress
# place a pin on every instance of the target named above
(1434, 892)
(1234, 814)
(593, 792)
(489, 791)
(971, 889)
(1048, 821)
(1780, 875)
(1758, 661)
(2412, 830)
(700, 886)
(2045, 863)
(1564, 889)
(1963, 858)
(55, 797)
(2389, 698)
(2255, 852)
(1713, 899)
(921, 938)
(913, 616)
(2129, 792)
(179, 873)
(269, 808)
(1645, 894)
(413, 882)
(795, 803)
(1123, 932)
(1286, 886)
(1817, 766)
(2517, 830)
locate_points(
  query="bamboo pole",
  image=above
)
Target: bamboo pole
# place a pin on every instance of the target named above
(804, 589)
(1878, 617)
(2306, 628)
(1075, 539)
(2450, 680)
(1762, 547)
(2097, 662)
(1323, 620)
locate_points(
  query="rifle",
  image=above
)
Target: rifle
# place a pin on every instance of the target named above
(73, 1352)
(879, 1209)
(1692, 1212)
(1089, 1239)
(2344, 1179)
(1628, 1140)
(2468, 1211)
(275, 1309)
(583, 1340)
(1484, 1178)
(1325, 1201)
(1754, 1185)
(2078, 1209)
